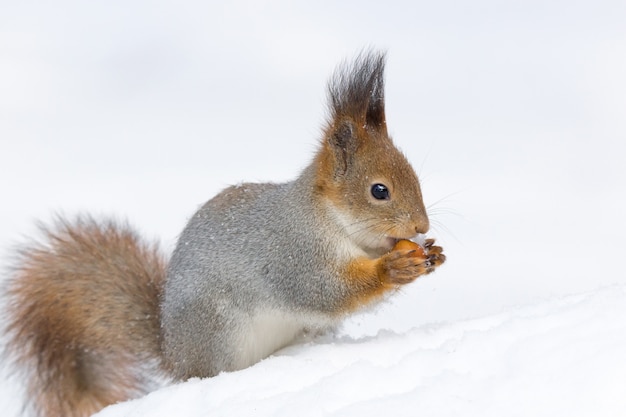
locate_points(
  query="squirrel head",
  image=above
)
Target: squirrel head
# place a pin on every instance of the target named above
(368, 184)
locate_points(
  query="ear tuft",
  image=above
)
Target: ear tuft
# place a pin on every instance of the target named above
(356, 91)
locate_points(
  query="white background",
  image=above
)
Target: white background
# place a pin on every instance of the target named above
(512, 112)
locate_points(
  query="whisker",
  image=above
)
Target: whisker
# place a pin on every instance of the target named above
(444, 198)
(364, 226)
(443, 211)
(368, 230)
(445, 230)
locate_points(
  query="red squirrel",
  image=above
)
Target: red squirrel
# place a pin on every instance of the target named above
(96, 316)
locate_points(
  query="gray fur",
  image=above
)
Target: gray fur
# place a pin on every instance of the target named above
(260, 264)
(271, 257)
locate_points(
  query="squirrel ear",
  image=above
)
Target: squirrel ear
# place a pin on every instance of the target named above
(343, 142)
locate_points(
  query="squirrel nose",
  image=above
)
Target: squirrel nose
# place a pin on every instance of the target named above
(422, 225)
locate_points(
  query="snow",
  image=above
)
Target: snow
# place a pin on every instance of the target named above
(560, 357)
(511, 112)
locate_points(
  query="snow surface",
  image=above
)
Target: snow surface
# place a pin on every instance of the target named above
(563, 357)
(512, 112)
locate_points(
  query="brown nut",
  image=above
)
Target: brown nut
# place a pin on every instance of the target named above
(404, 244)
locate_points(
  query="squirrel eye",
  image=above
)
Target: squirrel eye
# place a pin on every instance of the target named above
(380, 192)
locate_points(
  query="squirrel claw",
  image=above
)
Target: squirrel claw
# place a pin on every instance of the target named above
(403, 267)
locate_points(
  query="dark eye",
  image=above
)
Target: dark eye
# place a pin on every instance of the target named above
(380, 192)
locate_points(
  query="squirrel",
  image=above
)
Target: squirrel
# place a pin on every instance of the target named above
(95, 315)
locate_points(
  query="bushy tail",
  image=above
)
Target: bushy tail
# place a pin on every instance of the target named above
(83, 318)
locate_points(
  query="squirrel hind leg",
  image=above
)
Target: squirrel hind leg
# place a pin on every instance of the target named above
(82, 318)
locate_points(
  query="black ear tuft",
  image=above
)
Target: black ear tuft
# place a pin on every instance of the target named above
(356, 90)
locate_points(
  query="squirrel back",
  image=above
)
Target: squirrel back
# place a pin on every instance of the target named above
(95, 316)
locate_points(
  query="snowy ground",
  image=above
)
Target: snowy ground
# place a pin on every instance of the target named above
(563, 357)
(512, 113)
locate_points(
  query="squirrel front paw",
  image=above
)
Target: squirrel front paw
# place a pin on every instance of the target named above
(402, 266)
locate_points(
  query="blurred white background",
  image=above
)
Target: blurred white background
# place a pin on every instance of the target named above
(512, 112)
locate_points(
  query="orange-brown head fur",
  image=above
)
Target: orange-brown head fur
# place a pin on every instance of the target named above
(357, 153)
